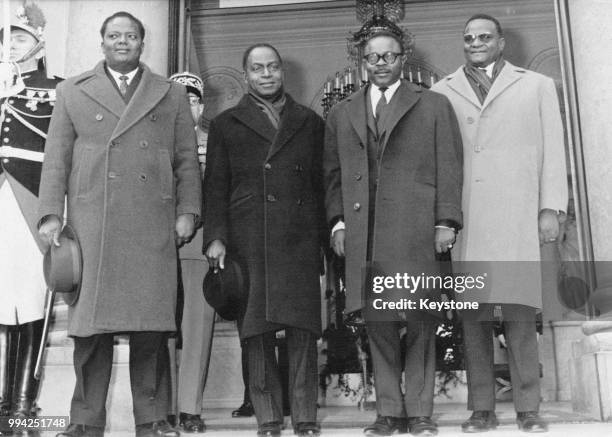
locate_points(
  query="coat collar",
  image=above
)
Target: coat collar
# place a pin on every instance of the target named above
(292, 118)
(406, 96)
(150, 91)
(507, 76)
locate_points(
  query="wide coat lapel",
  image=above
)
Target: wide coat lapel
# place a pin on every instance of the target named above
(150, 91)
(458, 82)
(507, 76)
(356, 110)
(403, 100)
(102, 91)
(292, 119)
(247, 113)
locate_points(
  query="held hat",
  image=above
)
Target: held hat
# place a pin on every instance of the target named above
(63, 266)
(226, 290)
(193, 83)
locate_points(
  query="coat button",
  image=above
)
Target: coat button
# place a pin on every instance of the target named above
(478, 180)
(298, 167)
(11, 101)
(271, 198)
(142, 177)
(5, 140)
(113, 143)
(268, 166)
(478, 149)
(5, 160)
(357, 176)
(6, 129)
(153, 117)
(357, 206)
(470, 120)
(8, 119)
(144, 144)
(300, 202)
(99, 117)
(112, 175)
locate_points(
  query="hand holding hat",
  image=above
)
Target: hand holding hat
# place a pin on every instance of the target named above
(49, 230)
(63, 263)
(226, 290)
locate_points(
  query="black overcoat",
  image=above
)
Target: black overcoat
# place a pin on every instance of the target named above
(263, 197)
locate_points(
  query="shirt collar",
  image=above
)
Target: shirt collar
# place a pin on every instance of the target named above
(389, 92)
(115, 75)
(488, 69)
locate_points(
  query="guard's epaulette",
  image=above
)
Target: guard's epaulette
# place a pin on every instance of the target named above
(40, 95)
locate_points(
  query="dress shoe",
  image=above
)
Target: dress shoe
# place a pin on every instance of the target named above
(480, 421)
(304, 429)
(386, 425)
(5, 415)
(244, 410)
(269, 429)
(161, 428)
(422, 425)
(191, 423)
(530, 421)
(78, 430)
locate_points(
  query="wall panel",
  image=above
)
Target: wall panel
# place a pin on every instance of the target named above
(312, 36)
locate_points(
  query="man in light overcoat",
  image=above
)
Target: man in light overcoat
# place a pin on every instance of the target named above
(393, 174)
(122, 149)
(515, 194)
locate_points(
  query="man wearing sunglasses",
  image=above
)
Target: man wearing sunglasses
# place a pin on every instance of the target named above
(515, 194)
(392, 165)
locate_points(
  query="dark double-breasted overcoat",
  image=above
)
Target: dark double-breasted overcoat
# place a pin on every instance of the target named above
(419, 181)
(127, 172)
(263, 197)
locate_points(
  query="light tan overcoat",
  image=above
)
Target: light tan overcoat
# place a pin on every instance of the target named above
(514, 166)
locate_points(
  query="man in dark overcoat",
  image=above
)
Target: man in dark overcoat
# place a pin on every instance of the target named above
(393, 166)
(122, 149)
(263, 206)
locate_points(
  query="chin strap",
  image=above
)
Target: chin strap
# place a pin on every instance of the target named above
(32, 52)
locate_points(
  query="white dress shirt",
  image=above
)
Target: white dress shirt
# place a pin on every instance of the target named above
(116, 75)
(376, 94)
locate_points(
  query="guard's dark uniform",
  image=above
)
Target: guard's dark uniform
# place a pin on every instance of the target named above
(24, 121)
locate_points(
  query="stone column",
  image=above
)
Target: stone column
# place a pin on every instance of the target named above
(591, 361)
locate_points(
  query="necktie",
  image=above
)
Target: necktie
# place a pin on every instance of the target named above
(123, 85)
(382, 102)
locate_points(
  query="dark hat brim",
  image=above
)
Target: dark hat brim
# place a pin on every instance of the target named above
(226, 290)
(63, 266)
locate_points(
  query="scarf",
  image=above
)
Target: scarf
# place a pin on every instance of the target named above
(272, 108)
(479, 80)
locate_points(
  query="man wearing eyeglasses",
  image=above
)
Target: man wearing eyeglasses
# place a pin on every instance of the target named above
(393, 172)
(515, 192)
(263, 206)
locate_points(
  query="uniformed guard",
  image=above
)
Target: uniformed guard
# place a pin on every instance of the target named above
(25, 112)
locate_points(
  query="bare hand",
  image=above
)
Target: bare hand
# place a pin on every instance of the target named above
(215, 254)
(50, 230)
(548, 226)
(444, 239)
(337, 242)
(184, 228)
